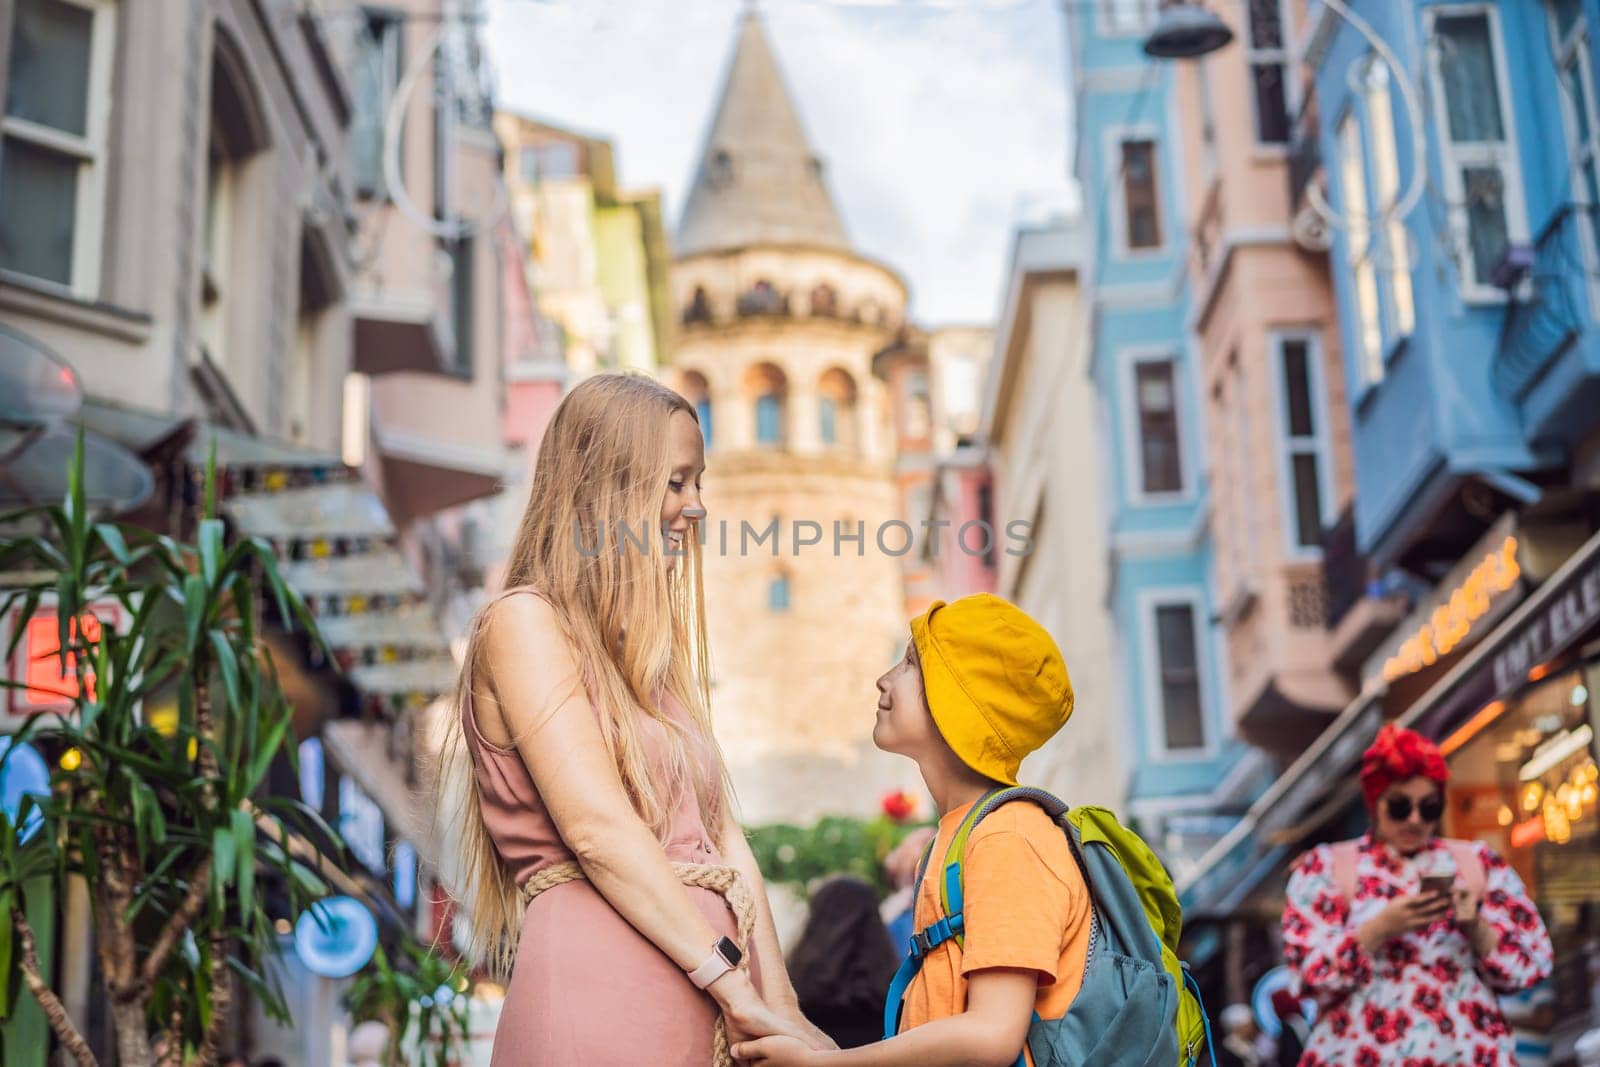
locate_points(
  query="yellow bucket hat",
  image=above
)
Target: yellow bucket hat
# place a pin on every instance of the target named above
(996, 683)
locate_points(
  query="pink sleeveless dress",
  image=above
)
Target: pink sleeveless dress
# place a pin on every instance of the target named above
(587, 989)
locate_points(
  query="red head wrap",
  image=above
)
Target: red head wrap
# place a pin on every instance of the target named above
(1398, 754)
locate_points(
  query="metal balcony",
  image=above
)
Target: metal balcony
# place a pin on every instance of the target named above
(1548, 311)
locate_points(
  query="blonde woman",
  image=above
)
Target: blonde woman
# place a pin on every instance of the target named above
(583, 737)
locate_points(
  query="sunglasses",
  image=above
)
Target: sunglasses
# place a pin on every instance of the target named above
(1429, 808)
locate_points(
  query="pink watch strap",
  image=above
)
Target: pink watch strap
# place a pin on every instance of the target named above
(713, 968)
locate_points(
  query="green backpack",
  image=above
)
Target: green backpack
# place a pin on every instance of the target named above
(1133, 1007)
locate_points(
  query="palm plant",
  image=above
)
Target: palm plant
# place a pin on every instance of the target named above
(158, 801)
(420, 1002)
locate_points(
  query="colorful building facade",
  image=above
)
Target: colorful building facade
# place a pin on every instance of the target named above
(1190, 775)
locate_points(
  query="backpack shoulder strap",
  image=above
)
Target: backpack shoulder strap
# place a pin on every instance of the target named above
(951, 887)
(1345, 855)
(1468, 863)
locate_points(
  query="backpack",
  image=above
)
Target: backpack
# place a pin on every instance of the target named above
(1133, 1009)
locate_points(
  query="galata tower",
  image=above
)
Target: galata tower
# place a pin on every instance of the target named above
(780, 319)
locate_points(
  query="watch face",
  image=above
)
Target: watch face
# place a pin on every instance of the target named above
(729, 951)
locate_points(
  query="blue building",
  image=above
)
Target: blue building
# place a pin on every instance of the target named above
(1190, 776)
(1468, 315)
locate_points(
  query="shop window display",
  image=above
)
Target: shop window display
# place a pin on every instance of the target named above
(1525, 781)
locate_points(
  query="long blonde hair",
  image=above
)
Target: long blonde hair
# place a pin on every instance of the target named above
(590, 542)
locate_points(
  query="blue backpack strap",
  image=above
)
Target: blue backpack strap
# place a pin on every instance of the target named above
(952, 900)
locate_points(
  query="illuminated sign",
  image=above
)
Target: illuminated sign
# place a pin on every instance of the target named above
(49, 683)
(1450, 623)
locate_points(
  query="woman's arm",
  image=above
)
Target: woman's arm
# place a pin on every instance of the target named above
(990, 1033)
(776, 987)
(543, 706)
(775, 984)
(1320, 945)
(1507, 934)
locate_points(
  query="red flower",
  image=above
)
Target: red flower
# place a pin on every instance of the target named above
(1485, 1056)
(1330, 906)
(899, 805)
(1367, 1056)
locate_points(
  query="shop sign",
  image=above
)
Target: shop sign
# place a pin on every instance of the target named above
(361, 825)
(46, 682)
(1452, 621)
(1572, 611)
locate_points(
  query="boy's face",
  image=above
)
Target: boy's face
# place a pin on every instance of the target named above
(905, 725)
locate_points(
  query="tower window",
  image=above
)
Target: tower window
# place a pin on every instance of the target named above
(778, 593)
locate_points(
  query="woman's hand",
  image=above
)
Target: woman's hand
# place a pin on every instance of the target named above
(777, 1052)
(1470, 922)
(1403, 915)
(808, 1032)
(749, 1016)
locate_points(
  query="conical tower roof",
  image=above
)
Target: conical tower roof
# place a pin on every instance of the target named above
(758, 180)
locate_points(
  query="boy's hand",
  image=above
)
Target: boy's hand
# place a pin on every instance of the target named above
(777, 1052)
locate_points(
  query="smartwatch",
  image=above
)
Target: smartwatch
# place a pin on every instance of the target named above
(725, 956)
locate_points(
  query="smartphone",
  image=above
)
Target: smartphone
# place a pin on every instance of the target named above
(1438, 883)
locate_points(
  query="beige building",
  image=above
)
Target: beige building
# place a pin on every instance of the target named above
(201, 217)
(597, 254)
(1040, 427)
(779, 322)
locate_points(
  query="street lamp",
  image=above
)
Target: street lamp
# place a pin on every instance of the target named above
(1186, 31)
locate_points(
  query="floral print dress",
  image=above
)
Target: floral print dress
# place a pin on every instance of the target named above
(1424, 999)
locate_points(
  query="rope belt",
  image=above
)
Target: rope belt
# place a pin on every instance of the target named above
(722, 880)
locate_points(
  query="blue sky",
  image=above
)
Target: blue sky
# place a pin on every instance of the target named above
(943, 122)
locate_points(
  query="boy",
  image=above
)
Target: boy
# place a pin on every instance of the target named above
(981, 686)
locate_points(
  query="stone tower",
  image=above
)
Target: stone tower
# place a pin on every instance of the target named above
(780, 319)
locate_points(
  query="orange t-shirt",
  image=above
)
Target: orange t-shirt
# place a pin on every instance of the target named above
(1027, 908)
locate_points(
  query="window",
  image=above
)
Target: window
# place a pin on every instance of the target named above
(52, 138)
(528, 164)
(462, 290)
(1304, 446)
(778, 593)
(1243, 546)
(828, 417)
(1394, 261)
(919, 405)
(1569, 34)
(1358, 251)
(1155, 393)
(1178, 671)
(702, 409)
(1482, 180)
(1269, 69)
(555, 160)
(377, 75)
(1126, 17)
(1139, 198)
(769, 419)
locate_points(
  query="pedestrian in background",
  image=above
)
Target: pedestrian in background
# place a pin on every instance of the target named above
(900, 866)
(843, 962)
(1403, 937)
(1294, 1031)
(1239, 1033)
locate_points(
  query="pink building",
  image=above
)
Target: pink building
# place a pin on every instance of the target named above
(1277, 435)
(963, 492)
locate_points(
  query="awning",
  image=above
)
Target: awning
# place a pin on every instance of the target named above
(414, 627)
(428, 677)
(1543, 626)
(427, 476)
(341, 509)
(383, 572)
(393, 335)
(363, 750)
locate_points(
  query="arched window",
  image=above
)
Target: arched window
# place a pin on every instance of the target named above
(824, 300)
(763, 298)
(699, 309)
(836, 409)
(767, 390)
(697, 391)
(778, 592)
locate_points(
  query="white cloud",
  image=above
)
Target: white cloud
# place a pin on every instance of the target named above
(940, 123)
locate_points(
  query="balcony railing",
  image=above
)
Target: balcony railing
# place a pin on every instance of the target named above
(1305, 153)
(1344, 568)
(1553, 314)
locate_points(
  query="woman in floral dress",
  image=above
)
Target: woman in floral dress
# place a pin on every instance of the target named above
(1405, 977)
